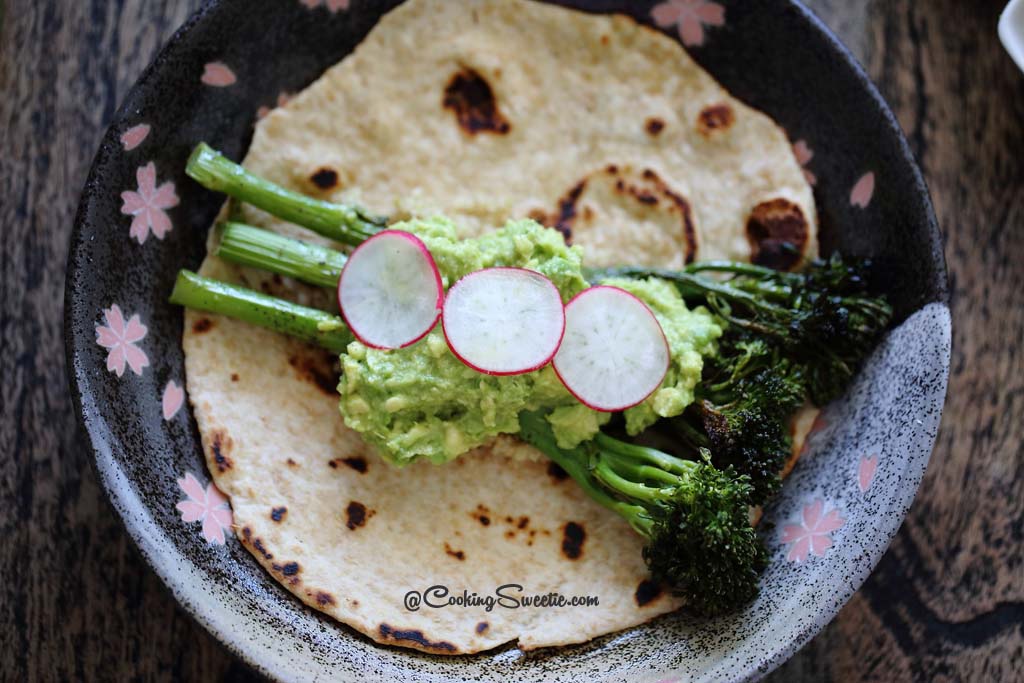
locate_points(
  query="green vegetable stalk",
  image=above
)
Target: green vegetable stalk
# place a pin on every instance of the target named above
(345, 224)
(256, 248)
(308, 324)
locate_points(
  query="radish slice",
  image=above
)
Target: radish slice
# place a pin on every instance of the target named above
(614, 354)
(390, 290)
(504, 321)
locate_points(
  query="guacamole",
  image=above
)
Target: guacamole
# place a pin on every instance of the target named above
(422, 402)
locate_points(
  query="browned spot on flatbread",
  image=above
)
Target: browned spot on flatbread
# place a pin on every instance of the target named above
(317, 367)
(324, 177)
(356, 515)
(457, 554)
(653, 125)
(481, 514)
(274, 286)
(682, 206)
(291, 463)
(573, 536)
(261, 549)
(562, 221)
(202, 325)
(288, 568)
(648, 189)
(469, 96)
(778, 233)
(556, 472)
(256, 542)
(415, 636)
(356, 462)
(605, 39)
(482, 626)
(714, 117)
(323, 598)
(220, 448)
(277, 514)
(647, 592)
(522, 522)
(234, 376)
(510, 534)
(644, 196)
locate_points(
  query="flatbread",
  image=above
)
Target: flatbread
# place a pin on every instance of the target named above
(595, 125)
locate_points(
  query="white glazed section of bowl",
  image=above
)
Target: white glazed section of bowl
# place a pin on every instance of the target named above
(1011, 30)
(891, 413)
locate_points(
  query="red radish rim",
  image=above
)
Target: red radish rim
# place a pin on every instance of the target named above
(504, 373)
(418, 243)
(664, 340)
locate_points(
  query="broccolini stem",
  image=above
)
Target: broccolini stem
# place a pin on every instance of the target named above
(535, 430)
(663, 461)
(639, 472)
(346, 224)
(309, 324)
(689, 284)
(690, 434)
(605, 474)
(740, 268)
(249, 246)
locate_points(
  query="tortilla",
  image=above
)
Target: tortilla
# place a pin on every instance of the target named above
(482, 111)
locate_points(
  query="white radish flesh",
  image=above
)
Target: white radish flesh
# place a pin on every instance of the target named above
(614, 353)
(504, 321)
(390, 290)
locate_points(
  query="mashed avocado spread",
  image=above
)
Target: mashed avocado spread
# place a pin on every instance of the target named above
(422, 402)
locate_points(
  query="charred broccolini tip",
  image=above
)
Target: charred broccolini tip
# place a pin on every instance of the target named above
(742, 410)
(822, 318)
(694, 516)
(789, 337)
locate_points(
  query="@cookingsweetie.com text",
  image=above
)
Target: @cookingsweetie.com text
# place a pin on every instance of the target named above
(507, 596)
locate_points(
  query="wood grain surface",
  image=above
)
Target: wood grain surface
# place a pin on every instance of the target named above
(945, 603)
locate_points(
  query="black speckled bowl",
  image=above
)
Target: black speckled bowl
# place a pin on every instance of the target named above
(141, 220)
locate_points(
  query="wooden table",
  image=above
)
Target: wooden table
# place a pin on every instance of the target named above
(945, 603)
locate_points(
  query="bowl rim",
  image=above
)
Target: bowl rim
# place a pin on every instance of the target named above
(121, 496)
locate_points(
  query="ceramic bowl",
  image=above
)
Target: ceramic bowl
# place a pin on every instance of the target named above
(141, 220)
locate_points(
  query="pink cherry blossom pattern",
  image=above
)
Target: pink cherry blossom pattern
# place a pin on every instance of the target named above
(218, 75)
(209, 506)
(866, 472)
(803, 155)
(331, 5)
(863, 190)
(134, 136)
(121, 338)
(689, 17)
(148, 205)
(813, 536)
(173, 398)
(282, 99)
